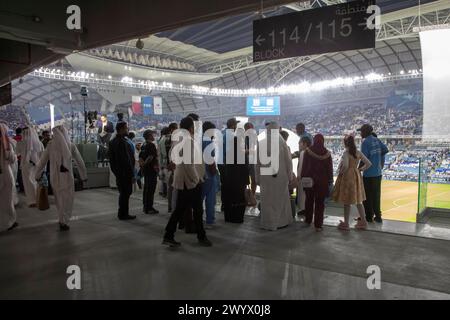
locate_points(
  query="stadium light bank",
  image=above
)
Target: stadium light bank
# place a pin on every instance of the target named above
(304, 87)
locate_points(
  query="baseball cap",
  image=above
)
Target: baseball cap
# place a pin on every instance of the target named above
(367, 128)
(232, 122)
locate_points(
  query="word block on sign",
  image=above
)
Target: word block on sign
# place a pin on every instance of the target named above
(348, 26)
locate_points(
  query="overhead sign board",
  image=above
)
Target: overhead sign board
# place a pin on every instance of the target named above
(347, 26)
(263, 106)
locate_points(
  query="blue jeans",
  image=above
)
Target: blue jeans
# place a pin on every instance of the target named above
(209, 194)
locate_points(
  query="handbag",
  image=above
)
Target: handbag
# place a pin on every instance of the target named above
(250, 198)
(307, 182)
(42, 198)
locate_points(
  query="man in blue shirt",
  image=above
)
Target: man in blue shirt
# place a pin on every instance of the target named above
(375, 151)
(301, 132)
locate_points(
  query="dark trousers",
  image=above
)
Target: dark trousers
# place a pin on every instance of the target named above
(235, 204)
(102, 153)
(170, 190)
(125, 187)
(221, 168)
(187, 199)
(372, 186)
(150, 181)
(314, 206)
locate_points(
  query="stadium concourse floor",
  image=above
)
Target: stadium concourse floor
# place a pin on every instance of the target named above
(125, 260)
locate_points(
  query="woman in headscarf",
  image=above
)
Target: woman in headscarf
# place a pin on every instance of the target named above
(7, 182)
(276, 211)
(30, 149)
(317, 175)
(60, 151)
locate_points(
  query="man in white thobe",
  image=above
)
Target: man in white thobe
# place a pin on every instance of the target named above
(276, 211)
(7, 181)
(30, 149)
(15, 169)
(61, 151)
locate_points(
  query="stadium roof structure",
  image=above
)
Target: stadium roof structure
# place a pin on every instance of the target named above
(218, 54)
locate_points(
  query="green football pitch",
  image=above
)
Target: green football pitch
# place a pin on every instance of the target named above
(399, 199)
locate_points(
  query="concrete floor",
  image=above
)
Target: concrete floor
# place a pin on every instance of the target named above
(125, 260)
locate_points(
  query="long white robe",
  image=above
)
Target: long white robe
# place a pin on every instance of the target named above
(15, 169)
(29, 155)
(276, 210)
(7, 184)
(28, 173)
(62, 182)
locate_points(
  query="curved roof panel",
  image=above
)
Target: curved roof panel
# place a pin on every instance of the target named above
(233, 33)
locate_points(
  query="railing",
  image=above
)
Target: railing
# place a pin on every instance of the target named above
(432, 195)
(423, 188)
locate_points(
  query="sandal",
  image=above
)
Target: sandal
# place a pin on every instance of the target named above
(361, 225)
(343, 226)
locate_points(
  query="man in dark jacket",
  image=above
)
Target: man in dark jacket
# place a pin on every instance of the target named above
(122, 161)
(105, 131)
(148, 160)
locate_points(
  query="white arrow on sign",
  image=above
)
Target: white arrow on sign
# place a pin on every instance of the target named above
(259, 40)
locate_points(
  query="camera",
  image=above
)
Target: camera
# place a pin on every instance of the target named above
(84, 91)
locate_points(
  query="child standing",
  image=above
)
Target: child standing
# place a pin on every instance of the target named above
(304, 144)
(349, 187)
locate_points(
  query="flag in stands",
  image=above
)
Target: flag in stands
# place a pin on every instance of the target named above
(147, 106)
(157, 101)
(136, 105)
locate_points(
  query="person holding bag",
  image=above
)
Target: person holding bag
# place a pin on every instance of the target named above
(61, 152)
(317, 174)
(304, 144)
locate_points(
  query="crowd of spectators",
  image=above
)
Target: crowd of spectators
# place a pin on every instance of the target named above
(334, 120)
(402, 163)
(14, 116)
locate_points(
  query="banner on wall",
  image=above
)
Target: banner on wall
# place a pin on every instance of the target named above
(158, 105)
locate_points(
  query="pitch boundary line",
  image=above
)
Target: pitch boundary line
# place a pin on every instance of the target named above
(414, 202)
